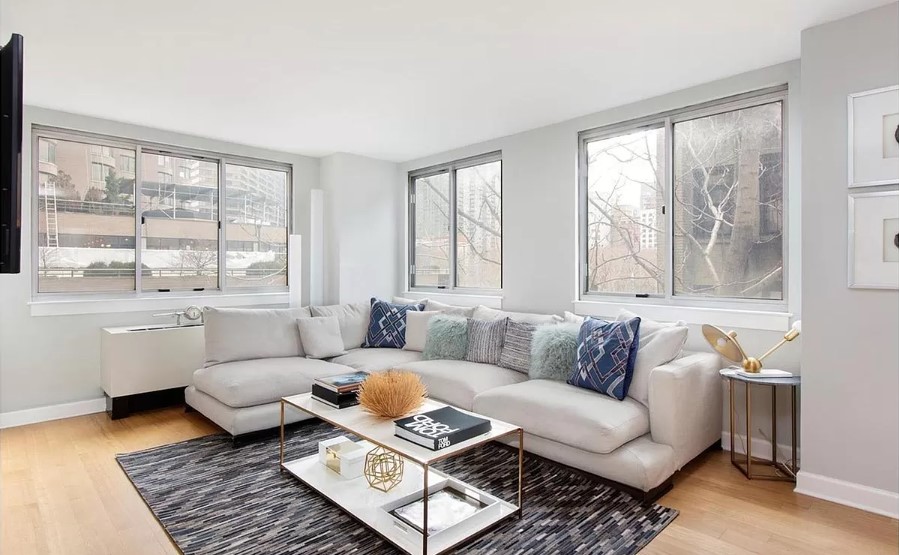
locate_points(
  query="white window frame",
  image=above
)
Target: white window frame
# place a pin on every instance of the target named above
(667, 300)
(450, 168)
(51, 303)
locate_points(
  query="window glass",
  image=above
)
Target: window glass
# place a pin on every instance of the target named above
(180, 225)
(728, 204)
(479, 226)
(257, 212)
(432, 231)
(85, 202)
(625, 226)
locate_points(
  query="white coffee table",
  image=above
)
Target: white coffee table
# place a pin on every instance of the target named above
(367, 504)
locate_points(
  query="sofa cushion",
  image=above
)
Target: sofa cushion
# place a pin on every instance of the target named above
(554, 351)
(353, 320)
(516, 353)
(387, 323)
(247, 383)
(659, 344)
(457, 382)
(566, 414)
(417, 329)
(373, 359)
(321, 336)
(482, 312)
(248, 333)
(606, 353)
(485, 340)
(447, 338)
(467, 311)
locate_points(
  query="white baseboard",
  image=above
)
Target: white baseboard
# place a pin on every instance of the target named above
(53, 412)
(866, 498)
(761, 447)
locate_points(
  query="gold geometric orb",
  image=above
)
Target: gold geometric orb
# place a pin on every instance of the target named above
(383, 469)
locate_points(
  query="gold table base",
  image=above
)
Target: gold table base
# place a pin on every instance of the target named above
(749, 465)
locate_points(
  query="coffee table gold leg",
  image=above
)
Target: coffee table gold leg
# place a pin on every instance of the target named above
(281, 443)
(520, 469)
(424, 528)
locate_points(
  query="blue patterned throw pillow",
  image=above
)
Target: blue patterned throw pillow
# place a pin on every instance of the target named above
(387, 324)
(606, 354)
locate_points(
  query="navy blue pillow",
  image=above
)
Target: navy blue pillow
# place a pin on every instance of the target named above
(606, 353)
(387, 324)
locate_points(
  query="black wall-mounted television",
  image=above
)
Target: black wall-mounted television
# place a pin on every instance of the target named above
(11, 156)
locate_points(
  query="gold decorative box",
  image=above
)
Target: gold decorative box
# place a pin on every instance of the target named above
(342, 456)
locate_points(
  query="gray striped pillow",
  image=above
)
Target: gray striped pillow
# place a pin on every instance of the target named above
(485, 340)
(516, 354)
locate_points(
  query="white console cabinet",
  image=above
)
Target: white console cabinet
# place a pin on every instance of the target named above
(145, 366)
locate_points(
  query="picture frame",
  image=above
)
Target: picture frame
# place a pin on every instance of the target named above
(874, 137)
(874, 240)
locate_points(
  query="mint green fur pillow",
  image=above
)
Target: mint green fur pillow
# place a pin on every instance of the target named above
(447, 338)
(554, 351)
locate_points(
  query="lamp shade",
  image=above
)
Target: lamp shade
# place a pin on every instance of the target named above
(724, 343)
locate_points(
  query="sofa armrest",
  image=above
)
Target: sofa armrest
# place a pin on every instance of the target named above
(685, 405)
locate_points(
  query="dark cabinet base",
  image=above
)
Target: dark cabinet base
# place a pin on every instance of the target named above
(120, 407)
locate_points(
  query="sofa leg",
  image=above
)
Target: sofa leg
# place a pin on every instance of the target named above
(653, 495)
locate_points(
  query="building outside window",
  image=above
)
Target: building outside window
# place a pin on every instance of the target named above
(688, 204)
(97, 219)
(456, 225)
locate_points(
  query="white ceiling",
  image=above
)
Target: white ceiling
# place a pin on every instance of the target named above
(391, 79)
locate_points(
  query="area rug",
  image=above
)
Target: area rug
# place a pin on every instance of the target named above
(214, 498)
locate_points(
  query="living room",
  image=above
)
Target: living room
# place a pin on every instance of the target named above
(652, 246)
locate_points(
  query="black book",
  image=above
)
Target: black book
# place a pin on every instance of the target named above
(334, 399)
(441, 428)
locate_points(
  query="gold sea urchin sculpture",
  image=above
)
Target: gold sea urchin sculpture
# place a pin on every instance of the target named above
(383, 469)
(392, 394)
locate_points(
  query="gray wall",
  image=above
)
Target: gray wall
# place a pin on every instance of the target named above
(850, 359)
(48, 360)
(362, 211)
(540, 211)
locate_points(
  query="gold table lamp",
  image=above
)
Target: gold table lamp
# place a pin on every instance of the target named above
(725, 342)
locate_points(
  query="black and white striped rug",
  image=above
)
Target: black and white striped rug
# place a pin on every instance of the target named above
(213, 498)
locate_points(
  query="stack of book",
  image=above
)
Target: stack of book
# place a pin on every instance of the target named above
(338, 391)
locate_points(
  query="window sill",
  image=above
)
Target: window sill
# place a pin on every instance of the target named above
(73, 306)
(723, 317)
(460, 299)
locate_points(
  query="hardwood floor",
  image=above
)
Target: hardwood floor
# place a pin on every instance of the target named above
(61, 491)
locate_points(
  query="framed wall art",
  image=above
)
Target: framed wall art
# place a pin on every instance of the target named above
(874, 240)
(874, 137)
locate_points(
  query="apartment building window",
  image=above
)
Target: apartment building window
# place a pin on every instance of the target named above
(113, 206)
(688, 204)
(456, 225)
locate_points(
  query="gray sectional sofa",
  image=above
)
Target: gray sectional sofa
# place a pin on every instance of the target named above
(255, 357)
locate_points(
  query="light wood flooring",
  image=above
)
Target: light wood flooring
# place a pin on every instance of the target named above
(62, 492)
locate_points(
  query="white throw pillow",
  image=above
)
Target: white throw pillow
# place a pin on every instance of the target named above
(659, 344)
(417, 329)
(482, 312)
(353, 320)
(321, 336)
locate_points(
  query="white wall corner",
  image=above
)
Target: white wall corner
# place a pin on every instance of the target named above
(52, 412)
(862, 497)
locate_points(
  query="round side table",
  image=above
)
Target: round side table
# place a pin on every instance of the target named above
(752, 467)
